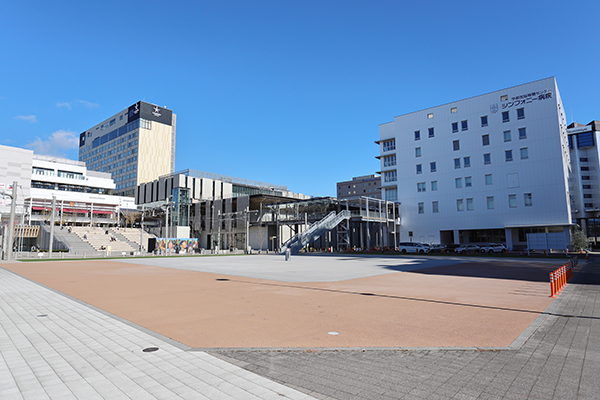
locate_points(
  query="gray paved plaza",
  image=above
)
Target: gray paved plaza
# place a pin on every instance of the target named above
(308, 267)
(559, 360)
(54, 347)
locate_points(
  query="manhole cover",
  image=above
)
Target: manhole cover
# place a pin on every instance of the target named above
(150, 349)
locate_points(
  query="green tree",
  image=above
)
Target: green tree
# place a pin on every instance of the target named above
(579, 241)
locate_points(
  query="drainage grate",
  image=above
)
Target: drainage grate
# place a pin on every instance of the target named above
(150, 349)
(222, 279)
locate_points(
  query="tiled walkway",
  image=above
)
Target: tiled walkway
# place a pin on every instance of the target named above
(52, 347)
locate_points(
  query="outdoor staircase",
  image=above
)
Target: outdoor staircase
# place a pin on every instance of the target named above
(69, 240)
(314, 231)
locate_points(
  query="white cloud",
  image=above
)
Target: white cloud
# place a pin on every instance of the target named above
(26, 118)
(65, 105)
(88, 104)
(58, 144)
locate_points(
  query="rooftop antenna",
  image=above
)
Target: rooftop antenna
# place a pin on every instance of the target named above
(571, 115)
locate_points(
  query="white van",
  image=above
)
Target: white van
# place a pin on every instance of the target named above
(412, 247)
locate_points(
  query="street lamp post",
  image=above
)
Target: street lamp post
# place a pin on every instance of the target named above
(11, 225)
(142, 231)
(52, 226)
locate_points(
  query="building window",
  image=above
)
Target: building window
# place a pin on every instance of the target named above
(421, 187)
(490, 202)
(435, 207)
(485, 139)
(464, 125)
(505, 116)
(417, 135)
(484, 121)
(528, 200)
(508, 155)
(430, 115)
(431, 133)
(146, 124)
(520, 113)
(504, 97)
(457, 163)
(507, 136)
(512, 200)
(467, 161)
(522, 133)
(390, 176)
(585, 177)
(389, 161)
(419, 169)
(586, 186)
(456, 145)
(525, 153)
(488, 179)
(587, 196)
(589, 205)
(469, 204)
(454, 127)
(433, 186)
(432, 167)
(421, 208)
(391, 194)
(583, 159)
(487, 158)
(453, 110)
(458, 183)
(389, 145)
(468, 181)
(460, 205)
(418, 152)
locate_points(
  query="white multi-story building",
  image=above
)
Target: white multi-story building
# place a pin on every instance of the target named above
(136, 145)
(490, 168)
(82, 197)
(585, 181)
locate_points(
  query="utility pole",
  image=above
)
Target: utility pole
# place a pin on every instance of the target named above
(52, 226)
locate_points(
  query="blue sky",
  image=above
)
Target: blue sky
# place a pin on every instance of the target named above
(288, 92)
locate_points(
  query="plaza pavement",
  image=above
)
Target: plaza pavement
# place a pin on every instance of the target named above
(52, 346)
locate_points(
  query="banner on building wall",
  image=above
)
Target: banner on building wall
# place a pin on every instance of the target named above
(177, 246)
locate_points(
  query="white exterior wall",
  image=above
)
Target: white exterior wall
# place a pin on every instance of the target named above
(543, 174)
(15, 165)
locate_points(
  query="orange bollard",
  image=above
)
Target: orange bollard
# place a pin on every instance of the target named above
(552, 288)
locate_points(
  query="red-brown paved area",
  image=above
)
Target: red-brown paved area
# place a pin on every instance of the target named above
(472, 304)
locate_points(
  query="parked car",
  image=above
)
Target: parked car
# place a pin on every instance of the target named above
(413, 247)
(437, 248)
(492, 248)
(467, 248)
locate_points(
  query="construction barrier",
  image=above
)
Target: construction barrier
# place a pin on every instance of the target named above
(560, 277)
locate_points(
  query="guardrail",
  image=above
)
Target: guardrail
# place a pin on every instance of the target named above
(561, 276)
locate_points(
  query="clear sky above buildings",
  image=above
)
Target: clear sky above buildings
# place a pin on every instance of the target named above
(289, 92)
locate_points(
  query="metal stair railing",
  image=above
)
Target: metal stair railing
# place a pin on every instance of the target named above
(315, 230)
